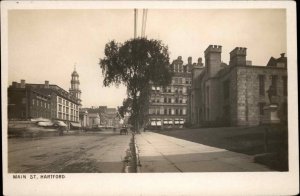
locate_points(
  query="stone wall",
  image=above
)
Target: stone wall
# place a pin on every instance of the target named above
(248, 96)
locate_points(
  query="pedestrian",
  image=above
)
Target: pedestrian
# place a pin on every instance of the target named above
(61, 131)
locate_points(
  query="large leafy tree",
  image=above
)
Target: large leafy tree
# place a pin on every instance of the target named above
(137, 64)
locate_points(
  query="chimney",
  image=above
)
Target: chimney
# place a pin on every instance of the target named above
(46, 84)
(14, 84)
(238, 56)
(282, 55)
(22, 83)
(189, 60)
(200, 62)
(179, 60)
(213, 59)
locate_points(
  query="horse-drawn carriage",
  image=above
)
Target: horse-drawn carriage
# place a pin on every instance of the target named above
(124, 131)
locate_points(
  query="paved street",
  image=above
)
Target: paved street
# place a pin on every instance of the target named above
(83, 153)
(161, 153)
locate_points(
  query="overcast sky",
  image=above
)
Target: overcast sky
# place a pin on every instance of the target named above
(45, 44)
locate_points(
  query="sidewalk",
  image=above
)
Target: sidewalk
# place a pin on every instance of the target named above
(160, 153)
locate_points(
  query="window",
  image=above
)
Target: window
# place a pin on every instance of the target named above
(170, 111)
(180, 111)
(169, 100)
(261, 79)
(207, 95)
(226, 89)
(180, 90)
(261, 108)
(33, 101)
(165, 111)
(59, 100)
(157, 111)
(180, 80)
(59, 108)
(176, 100)
(165, 100)
(274, 83)
(284, 81)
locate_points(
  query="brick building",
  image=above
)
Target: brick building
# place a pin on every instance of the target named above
(234, 94)
(27, 101)
(168, 106)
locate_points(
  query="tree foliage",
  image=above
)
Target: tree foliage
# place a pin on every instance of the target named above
(137, 63)
(125, 108)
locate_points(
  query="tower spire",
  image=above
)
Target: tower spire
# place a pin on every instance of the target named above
(74, 90)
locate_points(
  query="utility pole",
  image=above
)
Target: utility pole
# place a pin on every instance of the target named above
(135, 21)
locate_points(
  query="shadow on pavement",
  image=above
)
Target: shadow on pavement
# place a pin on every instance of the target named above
(224, 161)
(246, 140)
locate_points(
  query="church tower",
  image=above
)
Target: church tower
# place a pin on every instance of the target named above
(74, 90)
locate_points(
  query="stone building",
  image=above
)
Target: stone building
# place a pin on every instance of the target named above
(93, 120)
(108, 116)
(234, 94)
(43, 100)
(83, 117)
(168, 106)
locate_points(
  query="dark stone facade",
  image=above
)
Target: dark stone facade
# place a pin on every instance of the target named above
(234, 94)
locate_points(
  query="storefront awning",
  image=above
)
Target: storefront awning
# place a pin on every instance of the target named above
(170, 122)
(40, 120)
(158, 123)
(75, 124)
(153, 123)
(45, 124)
(61, 123)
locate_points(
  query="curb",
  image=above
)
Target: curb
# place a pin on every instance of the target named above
(136, 157)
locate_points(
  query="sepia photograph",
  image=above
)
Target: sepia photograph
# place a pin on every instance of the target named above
(133, 95)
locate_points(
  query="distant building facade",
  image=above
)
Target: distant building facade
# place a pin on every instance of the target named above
(84, 120)
(108, 116)
(168, 107)
(93, 120)
(26, 101)
(234, 94)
